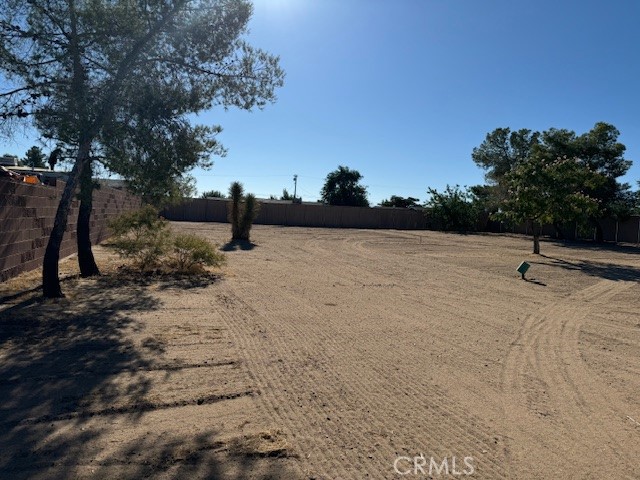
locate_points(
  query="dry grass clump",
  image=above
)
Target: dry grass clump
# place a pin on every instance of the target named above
(269, 443)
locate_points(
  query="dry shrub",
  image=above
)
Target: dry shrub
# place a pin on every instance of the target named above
(272, 443)
(142, 236)
(145, 238)
(192, 253)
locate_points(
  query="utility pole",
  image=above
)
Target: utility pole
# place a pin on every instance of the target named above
(295, 186)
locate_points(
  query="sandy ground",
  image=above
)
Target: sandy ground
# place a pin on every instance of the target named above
(332, 354)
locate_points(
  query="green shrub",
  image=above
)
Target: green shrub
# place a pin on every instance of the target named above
(141, 235)
(191, 252)
(453, 209)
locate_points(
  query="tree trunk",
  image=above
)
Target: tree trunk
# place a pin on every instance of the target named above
(50, 281)
(86, 262)
(536, 239)
(558, 230)
(599, 232)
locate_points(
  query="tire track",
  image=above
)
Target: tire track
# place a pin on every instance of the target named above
(363, 394)
(369, 384)
(544, 374)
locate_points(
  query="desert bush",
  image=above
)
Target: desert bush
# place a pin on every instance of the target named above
(141, 235)
(191, 252)
(144, 237)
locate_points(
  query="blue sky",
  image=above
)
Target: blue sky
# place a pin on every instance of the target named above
(403, 90)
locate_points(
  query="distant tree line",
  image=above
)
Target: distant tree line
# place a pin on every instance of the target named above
(552, 177)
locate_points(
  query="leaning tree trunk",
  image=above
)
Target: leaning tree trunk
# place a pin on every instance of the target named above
(50, 280)
(86, 261)
(536, 238)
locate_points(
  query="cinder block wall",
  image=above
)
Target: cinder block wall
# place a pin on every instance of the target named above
(26, 219)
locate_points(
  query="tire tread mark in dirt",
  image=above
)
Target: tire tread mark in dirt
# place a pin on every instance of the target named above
(547, 351)
(456, 421)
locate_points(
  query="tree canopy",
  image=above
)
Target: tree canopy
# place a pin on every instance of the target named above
(545, 191)
(399, 202)
(502, 150)
(596, 151)
(212, 194)
(342, 187)
(452, 209)
(34, 157)
(115, 81)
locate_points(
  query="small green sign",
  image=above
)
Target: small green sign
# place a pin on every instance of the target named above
(522, 268)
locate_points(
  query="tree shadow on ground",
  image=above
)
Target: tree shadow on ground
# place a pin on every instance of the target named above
(162, 280)
(595, 246)
(233, 245)
(60, 397)
(608, 271)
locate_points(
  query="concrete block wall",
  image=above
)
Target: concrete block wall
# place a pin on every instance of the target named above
(26, 219)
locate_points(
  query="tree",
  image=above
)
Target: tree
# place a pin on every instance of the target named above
(97, 76)
(543, 190)
(286, 195)
(598, 149)
(453, 209)
(502, 150)
(342, 187)
(212, 194)
(34, 158)
(400, 202)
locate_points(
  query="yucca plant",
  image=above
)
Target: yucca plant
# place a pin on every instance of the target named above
(242, 212)
(235, 193)
(249, 214)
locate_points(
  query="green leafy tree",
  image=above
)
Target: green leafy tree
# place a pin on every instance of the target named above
(452, 209)
(342, 187)
(598, 149)
(286, 195)
(212, 194)
(118, 80)
(502, 150)
(34, 157)
(544, 191)
(400, 202)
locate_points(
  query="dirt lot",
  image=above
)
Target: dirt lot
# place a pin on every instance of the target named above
(332, 354)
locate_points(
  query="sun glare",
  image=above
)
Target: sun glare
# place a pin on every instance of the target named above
(283, 9)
